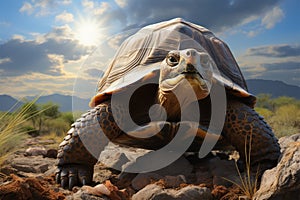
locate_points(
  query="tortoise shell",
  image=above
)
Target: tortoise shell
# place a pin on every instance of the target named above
(139, 55)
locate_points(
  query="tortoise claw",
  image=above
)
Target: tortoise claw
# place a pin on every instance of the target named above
(64, 181)
(72, 182)
(83, 181)
(72, 175)
(57, 176)
(85, 176)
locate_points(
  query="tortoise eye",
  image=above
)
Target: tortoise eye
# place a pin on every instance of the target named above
(172, 60)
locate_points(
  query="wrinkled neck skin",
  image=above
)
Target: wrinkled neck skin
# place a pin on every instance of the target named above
(186, 96)
(168, 100)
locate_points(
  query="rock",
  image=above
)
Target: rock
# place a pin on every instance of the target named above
(81, 195)
(222, 170)
(101, 173)
(35, 151)
(172, 175)
(116, 157)
(143, 179)
(174, 181)
(40, 151)
(51, 153)
(156, 192)
(283, 181)
(180, 167)
(103, 191)
(29, 166)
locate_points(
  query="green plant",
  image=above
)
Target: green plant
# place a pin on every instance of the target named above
(30, 131)
(282, 114)
(248, 184)
(11, 132)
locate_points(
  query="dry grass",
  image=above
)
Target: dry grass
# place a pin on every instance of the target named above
(11, 132)
(53, 136)
(248, 182)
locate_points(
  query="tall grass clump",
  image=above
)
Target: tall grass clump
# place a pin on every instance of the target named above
(248, 183)
(11, 130)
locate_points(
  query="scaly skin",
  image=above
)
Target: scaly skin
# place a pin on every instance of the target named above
(242, 121)
(75, 162)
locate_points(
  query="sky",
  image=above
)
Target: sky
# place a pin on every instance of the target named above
(46, 46)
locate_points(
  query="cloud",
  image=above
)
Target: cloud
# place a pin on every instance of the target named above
(65, 2)
(65, 17)
(214, 14)
(288, 72)
(272, 17)
(275, 62)
(94, 72)
(4, 60)
(283, 66)
(27, 8)
(36, 84)
(121, 3)
(282, 50)
(96, 8)
(102, 8)
(47, 55)
(87, 4)
(42, 7)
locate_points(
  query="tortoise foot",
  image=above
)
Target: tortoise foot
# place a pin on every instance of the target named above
(71, 175)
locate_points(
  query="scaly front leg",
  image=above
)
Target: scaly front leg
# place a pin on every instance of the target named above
(243, 123)
(82, 146)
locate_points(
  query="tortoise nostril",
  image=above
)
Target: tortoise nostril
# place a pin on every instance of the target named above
(191, 52)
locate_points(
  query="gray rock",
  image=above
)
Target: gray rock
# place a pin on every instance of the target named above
(174, 181)
(81, 195)
(173, 175)
(35, 151)
(36, 164)
(156, 192)
(148, 192)
(222, 170)
(194, 192)
(143, 179)
(116, 157)
(180, 167)
(101, 173)
(283, 181)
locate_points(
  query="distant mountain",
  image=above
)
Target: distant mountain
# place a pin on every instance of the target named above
(65, 102)
(7, 102)
(275, 88)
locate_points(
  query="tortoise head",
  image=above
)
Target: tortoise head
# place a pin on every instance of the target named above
(191, 65)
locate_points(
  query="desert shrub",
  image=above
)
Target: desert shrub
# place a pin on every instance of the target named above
(58, 126)
(286, 120)
(30, 131)
(68, 117)
(266, 113)
(11, 132)
(282, 114)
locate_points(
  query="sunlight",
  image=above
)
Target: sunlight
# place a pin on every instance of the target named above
(88, 32)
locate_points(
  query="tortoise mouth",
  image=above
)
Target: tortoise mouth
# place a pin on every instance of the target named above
(194, 78)
(192, 75)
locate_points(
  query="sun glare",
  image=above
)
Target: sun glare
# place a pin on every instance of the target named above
(88, 32)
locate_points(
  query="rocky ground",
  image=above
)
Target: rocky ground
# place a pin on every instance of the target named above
(29, 174)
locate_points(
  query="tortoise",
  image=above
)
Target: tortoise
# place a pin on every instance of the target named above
(152, 63)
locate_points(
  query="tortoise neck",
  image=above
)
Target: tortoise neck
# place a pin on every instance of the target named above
(169, 101)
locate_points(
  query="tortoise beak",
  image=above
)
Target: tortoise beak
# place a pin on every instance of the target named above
(190, 70)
